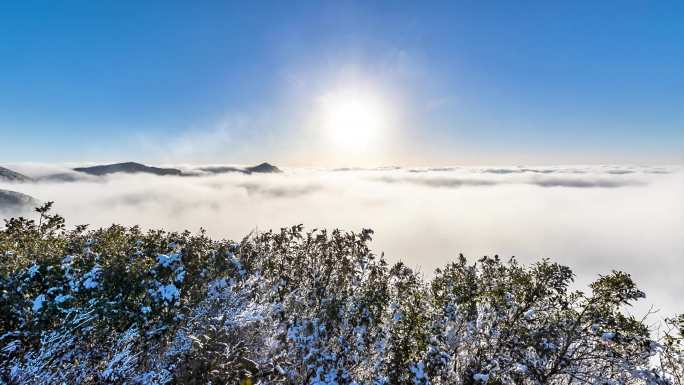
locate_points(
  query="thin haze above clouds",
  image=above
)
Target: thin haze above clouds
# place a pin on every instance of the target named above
(591, 218)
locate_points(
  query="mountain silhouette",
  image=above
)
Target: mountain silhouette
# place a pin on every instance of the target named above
(128, 168)
(263, 168)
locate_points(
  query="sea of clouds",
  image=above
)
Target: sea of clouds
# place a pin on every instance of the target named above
(591, 218)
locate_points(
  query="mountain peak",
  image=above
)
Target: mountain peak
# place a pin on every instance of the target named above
(264, 167)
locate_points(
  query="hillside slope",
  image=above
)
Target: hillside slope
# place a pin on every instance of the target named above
(12, 201)
(8, 175)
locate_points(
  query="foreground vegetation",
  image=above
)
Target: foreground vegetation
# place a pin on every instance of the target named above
(123, 306)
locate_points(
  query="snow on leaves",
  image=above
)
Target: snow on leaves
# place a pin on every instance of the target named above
(116, 306)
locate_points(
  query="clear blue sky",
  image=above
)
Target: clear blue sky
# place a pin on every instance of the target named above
(473, 82)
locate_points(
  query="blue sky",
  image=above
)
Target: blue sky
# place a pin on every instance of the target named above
(229, 82)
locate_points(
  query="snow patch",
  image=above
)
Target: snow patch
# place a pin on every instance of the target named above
(32, 271)
(38, 303)
(63, 298)
(529, 314)
(607, 336)
(169, 292)
(91, 278)
(168, 260)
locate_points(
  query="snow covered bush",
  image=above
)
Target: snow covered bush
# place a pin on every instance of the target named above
(671, 352)
(122, 306)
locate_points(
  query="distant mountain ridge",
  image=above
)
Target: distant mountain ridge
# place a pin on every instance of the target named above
(9, 175)
(263, 168)
(128, 168)
(139, 168)
(134, 168)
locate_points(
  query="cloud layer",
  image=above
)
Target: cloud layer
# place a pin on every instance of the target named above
(592, 218)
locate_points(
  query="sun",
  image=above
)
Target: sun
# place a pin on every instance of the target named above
(353, 119)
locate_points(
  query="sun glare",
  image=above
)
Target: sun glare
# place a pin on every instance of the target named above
(353, 120)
